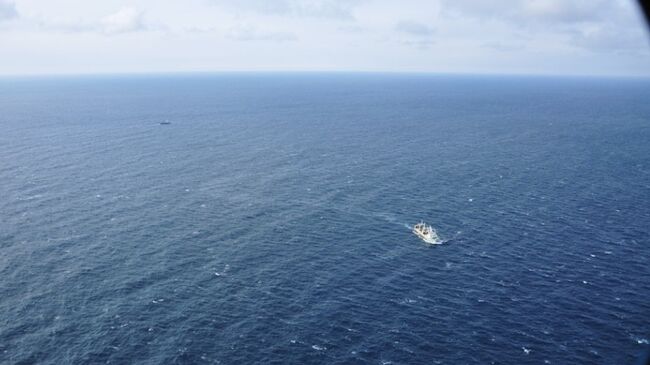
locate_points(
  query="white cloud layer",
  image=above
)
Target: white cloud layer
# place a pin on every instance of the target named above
(249, 33)
(414, 28)
(7, 10)
(418, 35)
(124, 20)
(333, 9)
(534, 11)
(576, 37)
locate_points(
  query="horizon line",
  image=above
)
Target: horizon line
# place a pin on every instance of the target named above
(315, 71)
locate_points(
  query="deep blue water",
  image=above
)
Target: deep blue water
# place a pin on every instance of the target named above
(269, 222)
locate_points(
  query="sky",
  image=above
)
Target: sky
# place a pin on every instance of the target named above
(548, 37)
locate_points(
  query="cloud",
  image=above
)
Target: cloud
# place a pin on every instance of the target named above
(352, 29)
(418, 35)
(531, 12)
(414, 28)
(504, 47)
(565, 11)
(337, 9)
(248, 33)
(605, 38)
(596, 25)
(7, 10)
(79, 27)
(330, 9)
(124, 20)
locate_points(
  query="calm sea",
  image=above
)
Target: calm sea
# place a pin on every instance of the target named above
(268, 223)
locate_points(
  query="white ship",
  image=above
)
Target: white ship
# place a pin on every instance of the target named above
(426, 233)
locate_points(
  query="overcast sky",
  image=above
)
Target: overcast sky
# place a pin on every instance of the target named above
(575, 37)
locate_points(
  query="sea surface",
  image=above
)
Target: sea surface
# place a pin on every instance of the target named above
(269, 222)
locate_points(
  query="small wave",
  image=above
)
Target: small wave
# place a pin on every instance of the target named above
(319, 348)
(31, 197)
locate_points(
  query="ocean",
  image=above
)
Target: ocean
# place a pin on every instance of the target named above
(269, 221)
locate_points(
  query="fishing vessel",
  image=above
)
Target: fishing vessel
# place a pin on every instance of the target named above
(426, 233)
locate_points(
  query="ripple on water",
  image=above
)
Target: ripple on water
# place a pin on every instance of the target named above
(115, 233)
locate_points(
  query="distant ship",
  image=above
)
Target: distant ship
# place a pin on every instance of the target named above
(426, 233)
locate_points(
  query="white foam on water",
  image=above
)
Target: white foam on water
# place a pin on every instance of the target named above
(31, 197)
(222, 272)
(319, 348)
(526, 351)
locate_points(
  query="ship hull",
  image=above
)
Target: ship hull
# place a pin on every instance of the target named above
(425, 238)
